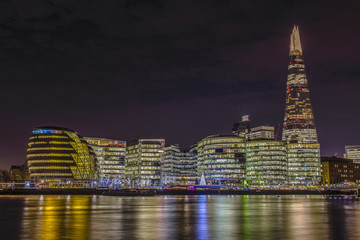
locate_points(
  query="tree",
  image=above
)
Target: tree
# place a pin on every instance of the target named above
(5, 176)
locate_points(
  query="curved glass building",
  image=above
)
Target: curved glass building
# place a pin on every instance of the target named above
(222, 159)
(59, 155)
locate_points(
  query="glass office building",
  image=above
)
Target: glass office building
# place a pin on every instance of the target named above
(222, 159)
(266, 164)
(56, 155)
(110, 155)
(304, 168)
(143, 161)
(178, 167)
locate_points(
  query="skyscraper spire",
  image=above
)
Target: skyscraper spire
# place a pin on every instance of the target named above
(299, 124)
(295, 44)
(303, 150)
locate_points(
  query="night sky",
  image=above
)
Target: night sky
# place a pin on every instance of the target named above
(179, 70)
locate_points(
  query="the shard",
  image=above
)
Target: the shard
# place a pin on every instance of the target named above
(299, 131)
(299, 124)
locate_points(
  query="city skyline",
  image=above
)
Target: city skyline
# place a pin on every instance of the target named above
(176, 80)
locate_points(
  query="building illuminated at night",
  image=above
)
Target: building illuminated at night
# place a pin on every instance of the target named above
(110, 155)
(178, 167)
(352, 152)
(222, 159)
(58, 154)
(299, 123)
(143, 161)
(299, 131)
(266, 159)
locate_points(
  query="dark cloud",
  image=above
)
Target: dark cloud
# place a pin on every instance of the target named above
(174, 69)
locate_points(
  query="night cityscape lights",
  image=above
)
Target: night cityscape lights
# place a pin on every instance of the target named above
(190, 120)
(250, 157)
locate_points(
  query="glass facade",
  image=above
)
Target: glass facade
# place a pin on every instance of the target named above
(266, 163)
(143, 161)
(304, 167)
(110, 155)
(299, 131)
(262, 132)
(178, 167)
(353, 153)
(222, 159)
(299, 124)
(57, 154)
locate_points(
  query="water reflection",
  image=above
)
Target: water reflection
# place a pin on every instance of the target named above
(178, 217)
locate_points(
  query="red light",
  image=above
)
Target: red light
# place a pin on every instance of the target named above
(295, 119)
(289, 62)
(299, 87)
(303, 125)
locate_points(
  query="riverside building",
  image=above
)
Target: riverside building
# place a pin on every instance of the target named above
(58, 155)
(353, 153)
(266, 159)
(110, 155)
(143, 161)
(339, 170)
(299, 131)
(221, 158)
(178, 167)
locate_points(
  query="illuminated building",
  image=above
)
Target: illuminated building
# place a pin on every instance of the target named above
(242, 128)
(58, 154)
(339, 170)
(143, 161)
(178, 166)
(299, 126)
(353, 153)
(222, 159)
(262, 132)
(110, 155)
(304, 168)
(266, 159)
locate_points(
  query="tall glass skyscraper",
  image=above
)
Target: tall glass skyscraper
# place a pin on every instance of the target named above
(299, 124)
(299, 129)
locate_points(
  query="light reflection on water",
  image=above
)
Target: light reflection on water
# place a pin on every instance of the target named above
(178, 217)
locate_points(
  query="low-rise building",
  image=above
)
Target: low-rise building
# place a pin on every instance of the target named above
(339, 170)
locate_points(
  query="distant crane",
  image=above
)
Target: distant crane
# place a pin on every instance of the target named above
(277, 131)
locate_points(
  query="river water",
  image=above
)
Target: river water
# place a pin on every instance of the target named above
(178, 217)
